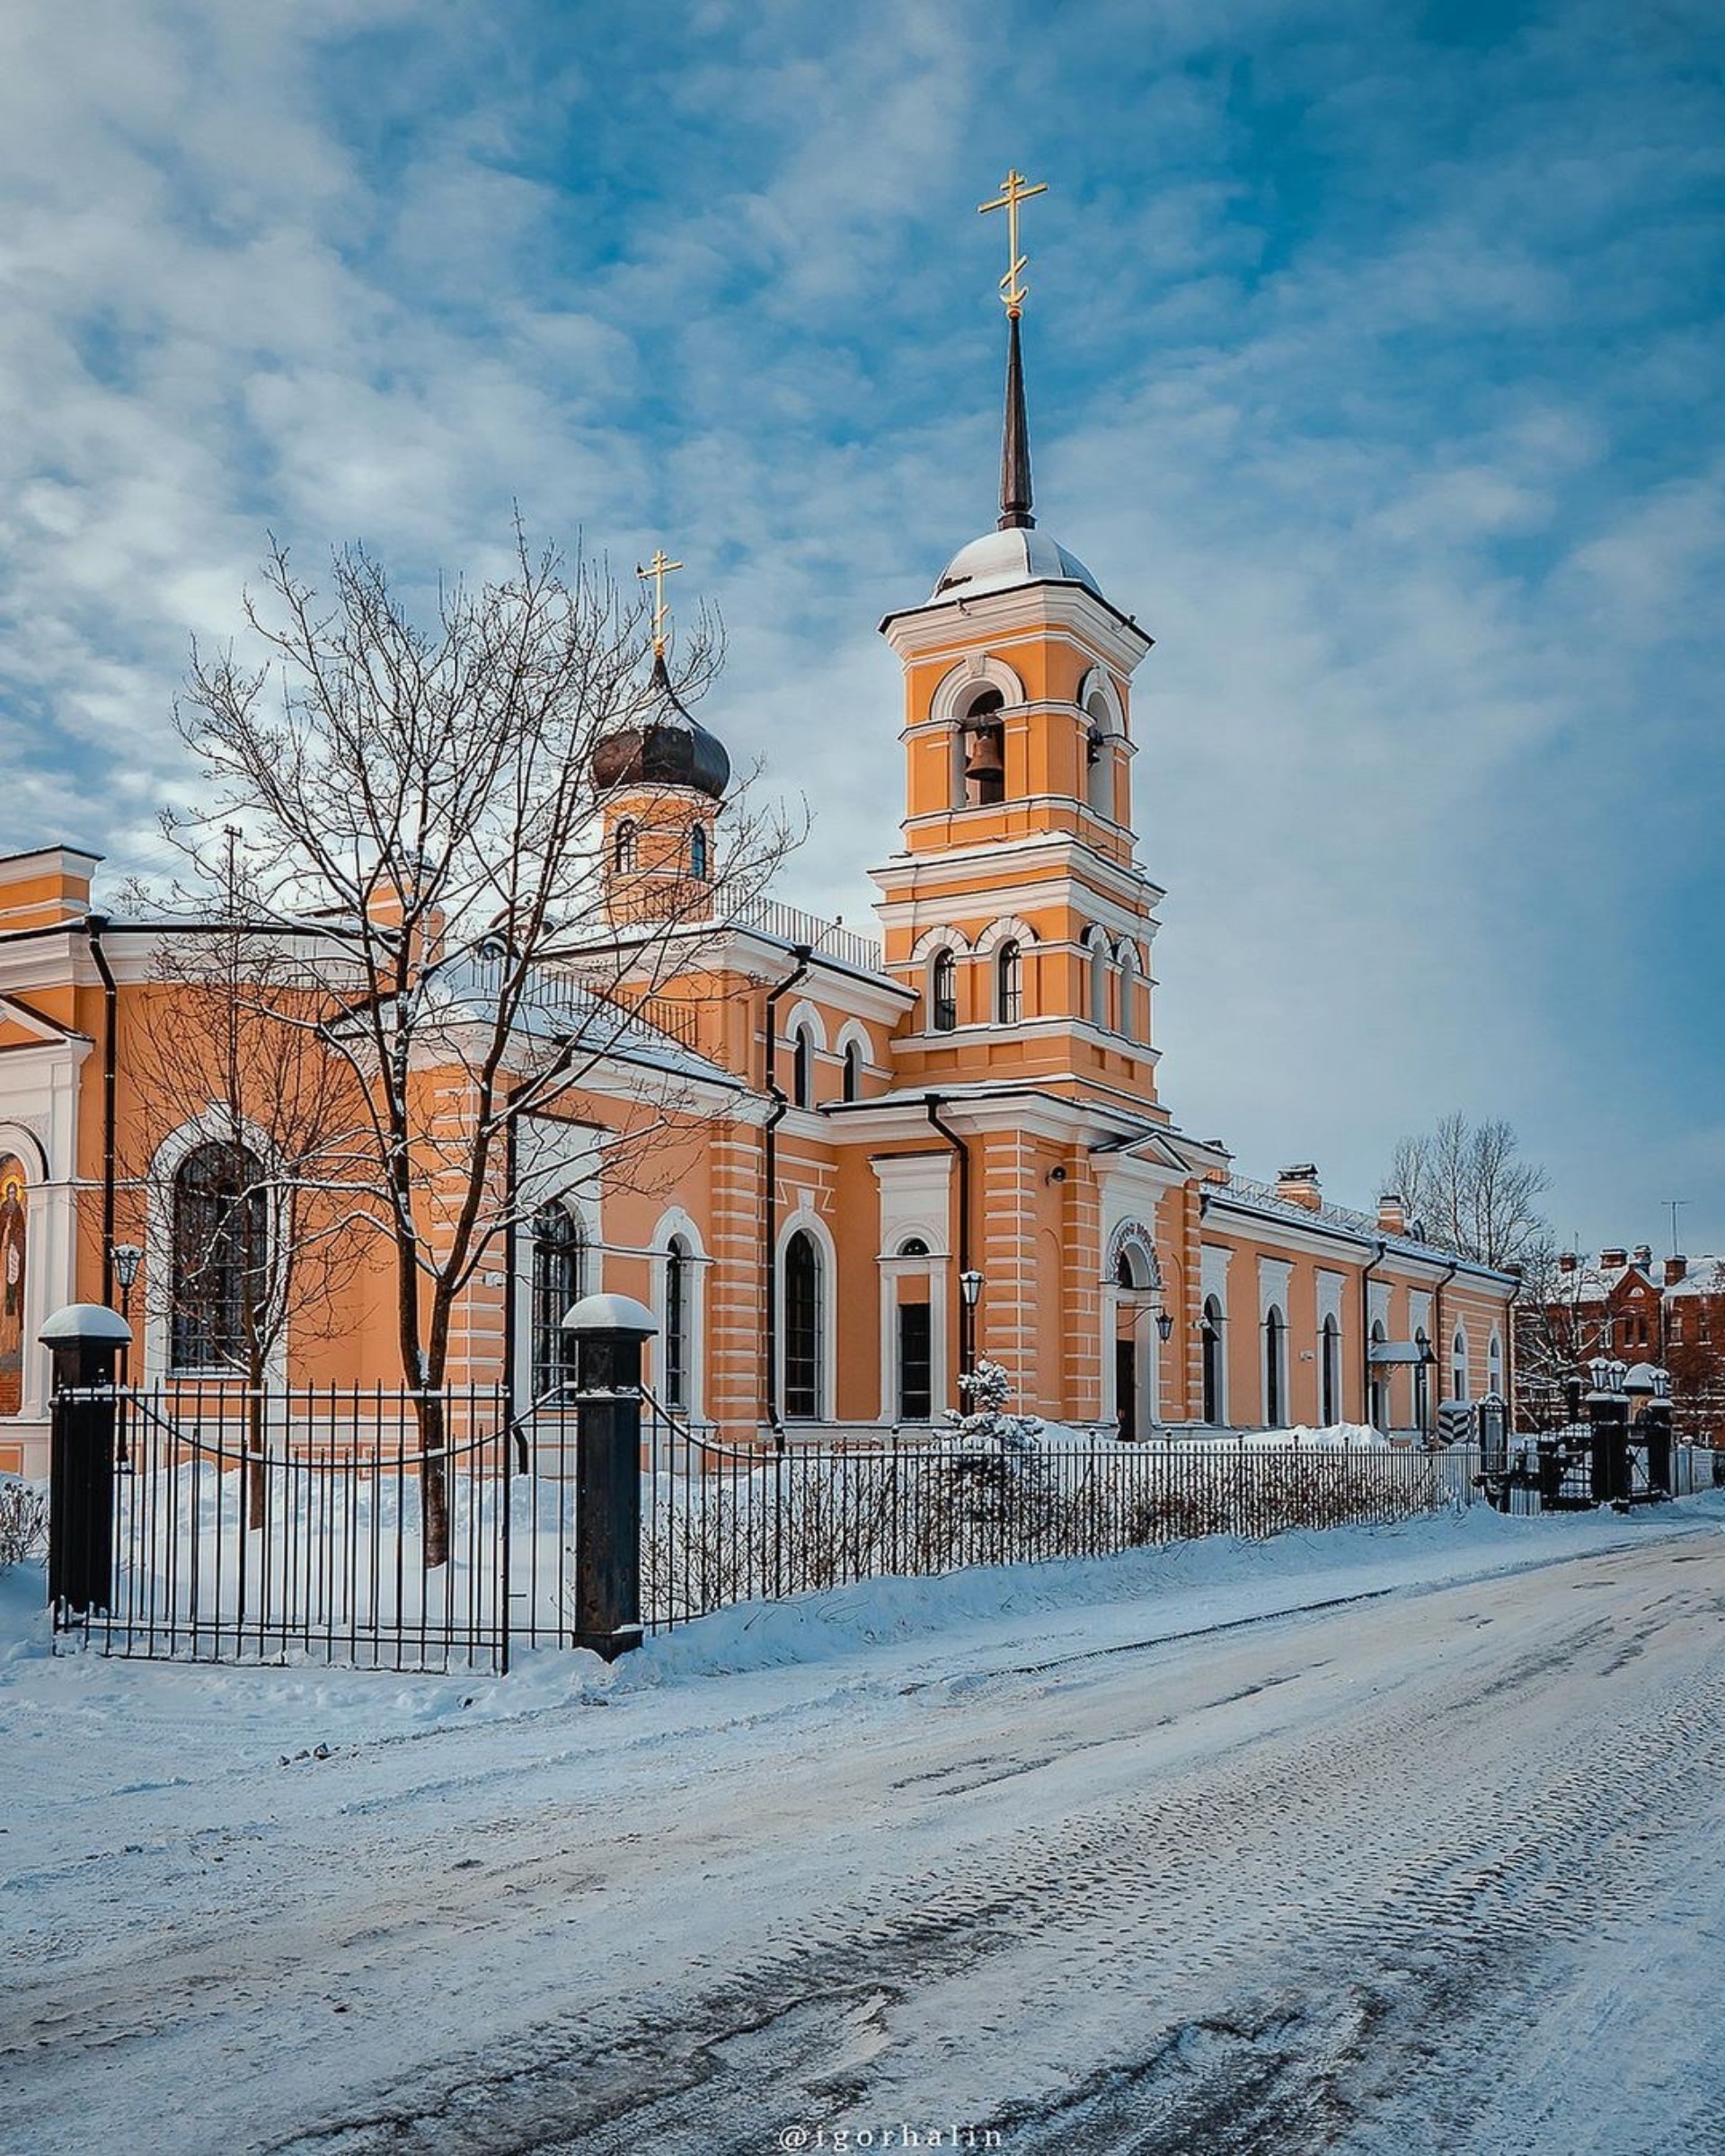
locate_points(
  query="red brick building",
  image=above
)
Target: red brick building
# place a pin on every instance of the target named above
(1629, 1305)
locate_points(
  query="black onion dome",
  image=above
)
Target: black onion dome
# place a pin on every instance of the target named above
(672, 749)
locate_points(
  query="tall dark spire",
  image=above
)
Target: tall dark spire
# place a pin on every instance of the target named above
(1015, 441)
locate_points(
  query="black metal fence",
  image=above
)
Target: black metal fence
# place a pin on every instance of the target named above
(291, 1525)
(726, 1524)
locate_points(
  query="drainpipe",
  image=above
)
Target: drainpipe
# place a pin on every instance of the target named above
(804, 954)
(1366, 1327)
(931, 1104)
(93, 924)
(1438, 1335)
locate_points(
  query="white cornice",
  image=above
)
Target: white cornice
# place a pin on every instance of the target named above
(954, 625)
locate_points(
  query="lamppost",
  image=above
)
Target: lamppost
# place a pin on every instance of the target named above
(971, 1287)
(124, 1258)
(127, 1257)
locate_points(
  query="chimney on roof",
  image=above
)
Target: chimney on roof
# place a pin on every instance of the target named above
(1298, 1185)
(1613, 1258)
(1675, 1269)
(1567, 1261)
(1643, 1253)
(1392, 1214)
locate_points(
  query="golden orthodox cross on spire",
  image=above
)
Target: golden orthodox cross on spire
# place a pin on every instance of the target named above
(658, 568)
(1014, 189)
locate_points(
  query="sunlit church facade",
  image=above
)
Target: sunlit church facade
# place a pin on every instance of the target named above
(894, 1156)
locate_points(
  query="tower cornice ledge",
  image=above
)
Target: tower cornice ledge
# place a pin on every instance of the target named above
(954, 625)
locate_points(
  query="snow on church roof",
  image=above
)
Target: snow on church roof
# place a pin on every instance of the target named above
(1003, 561)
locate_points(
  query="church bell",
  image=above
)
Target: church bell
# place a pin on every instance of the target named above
(984, 763)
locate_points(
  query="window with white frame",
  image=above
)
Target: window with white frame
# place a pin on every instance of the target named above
(802, 1328)
(1210, 1328)
(1275, 1367)
(944, 992)
(560, 1263)
(1009, 984)
(219, 1277)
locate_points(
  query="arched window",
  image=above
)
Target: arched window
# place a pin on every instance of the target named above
(1329, 1372)
(1099, 971)
(1380, 1403)
(1494, 1365)
(1128, 992)
(1009, 985)
(698, 858)
(803, 1067)
(559, 1282)
(1458, 1365)
(944, 992)
(913, 1246)
(679, 1324)
(1275, 1367)
(13, 1216)
(221, 1257)
(1098, 758)
(984, 751)
(623, 847)
(803, 1343)
(854, 1070)
(1210, 1334)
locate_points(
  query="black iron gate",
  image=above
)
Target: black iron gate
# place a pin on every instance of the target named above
(280, 1526)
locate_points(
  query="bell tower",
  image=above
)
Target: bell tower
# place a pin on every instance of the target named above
(1015, 908)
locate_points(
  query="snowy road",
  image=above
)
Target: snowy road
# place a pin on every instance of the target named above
(1442, 1868)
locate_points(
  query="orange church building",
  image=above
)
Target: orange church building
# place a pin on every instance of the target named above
(889, 1155)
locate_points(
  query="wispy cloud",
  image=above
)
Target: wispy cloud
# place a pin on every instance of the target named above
(1374, 366)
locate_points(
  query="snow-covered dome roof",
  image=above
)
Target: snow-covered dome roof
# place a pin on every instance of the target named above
(1002, 561)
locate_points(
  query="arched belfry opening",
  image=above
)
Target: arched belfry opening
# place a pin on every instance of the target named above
(985, 750)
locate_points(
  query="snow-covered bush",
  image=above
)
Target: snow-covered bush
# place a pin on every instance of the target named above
(23, 1521)
(990, 1490)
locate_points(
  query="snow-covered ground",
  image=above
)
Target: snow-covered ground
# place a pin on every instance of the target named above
(1397, 1840)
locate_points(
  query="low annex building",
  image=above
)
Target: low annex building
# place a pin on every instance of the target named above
(867, 1123)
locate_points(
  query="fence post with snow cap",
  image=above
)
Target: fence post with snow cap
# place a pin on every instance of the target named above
(85, 1340)
(609, 1332)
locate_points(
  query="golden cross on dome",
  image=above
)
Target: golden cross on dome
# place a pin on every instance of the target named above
(658, 568)
(1014, 189)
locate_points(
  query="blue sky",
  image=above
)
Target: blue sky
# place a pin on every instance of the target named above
(1374, 360)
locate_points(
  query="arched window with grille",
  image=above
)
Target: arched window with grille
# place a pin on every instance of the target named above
(944, 992)
(560, 1268)
(220, 1273)
(803, 1329)
(679, 1325)
(698, 854)
(1009, 985)
(803, 1067)
(1275, 1367)
(623, 847)
(1210, 1334)
(1329, 1372)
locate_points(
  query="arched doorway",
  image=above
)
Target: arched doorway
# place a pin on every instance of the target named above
(1137, 1284)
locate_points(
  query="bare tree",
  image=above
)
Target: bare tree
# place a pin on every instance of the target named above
(1468, 1187)
(420, 828)
(252, 1243)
